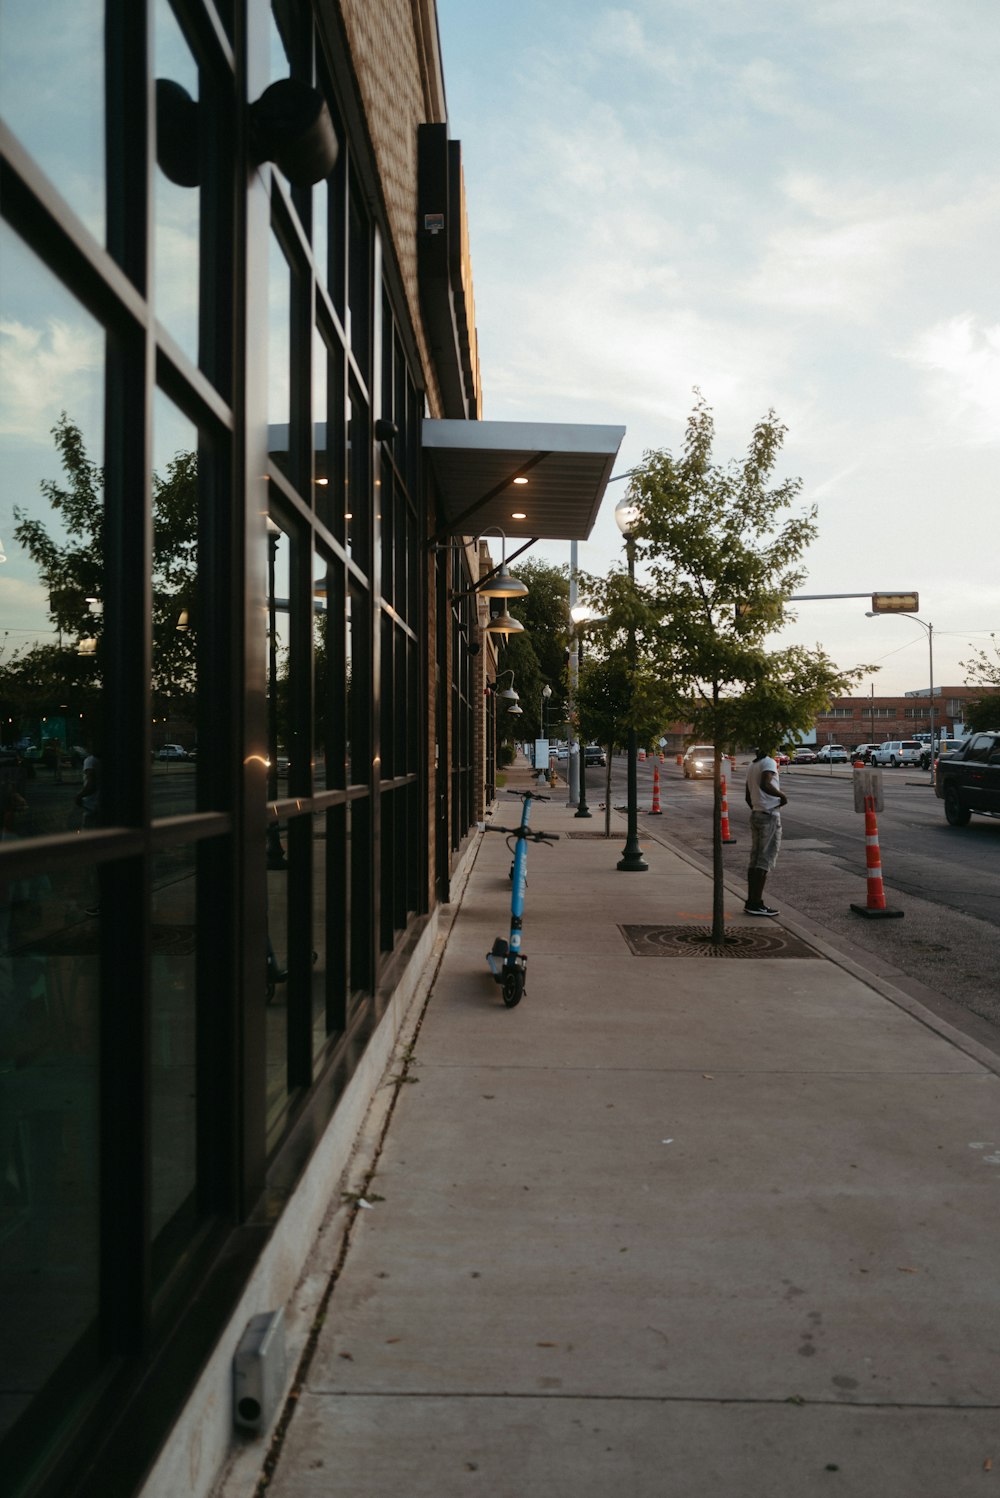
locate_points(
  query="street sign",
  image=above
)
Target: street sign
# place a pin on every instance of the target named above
(868, 782)
(895, 603)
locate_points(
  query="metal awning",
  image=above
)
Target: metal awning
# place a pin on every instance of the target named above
(475, 463)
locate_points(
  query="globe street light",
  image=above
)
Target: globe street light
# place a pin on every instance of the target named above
(631, 861)
(870, 614)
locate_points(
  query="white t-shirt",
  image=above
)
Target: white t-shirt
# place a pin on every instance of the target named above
(760, 799)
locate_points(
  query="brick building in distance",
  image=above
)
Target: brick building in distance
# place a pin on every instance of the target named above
(873, 719)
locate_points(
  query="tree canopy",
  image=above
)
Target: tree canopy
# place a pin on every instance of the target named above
(538, 656)
(983, 670)
(721, 556)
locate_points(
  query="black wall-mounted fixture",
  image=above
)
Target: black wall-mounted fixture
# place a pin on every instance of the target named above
(292, 127)
(177, 134)
(386, 431)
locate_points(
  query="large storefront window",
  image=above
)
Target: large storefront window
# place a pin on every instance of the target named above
(52, 597)
(181, 128)
(52, 87)
(52, 356)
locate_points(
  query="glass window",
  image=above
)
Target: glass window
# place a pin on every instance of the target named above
(328, 674)
(52, 87)
(177, 201)
(279, 309)
(331, 918)
(176, 613)
(173, 1056)
(330, 446)
(320, 386)
(52, 371)
(49, 969)
(358, 661)
(358, 515)
(359, 282)
(274, 957)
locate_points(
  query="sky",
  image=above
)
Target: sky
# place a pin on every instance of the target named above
(786, 205)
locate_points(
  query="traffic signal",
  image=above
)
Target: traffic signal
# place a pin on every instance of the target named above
(895, 603)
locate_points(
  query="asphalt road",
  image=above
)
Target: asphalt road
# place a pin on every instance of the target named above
(946, 880)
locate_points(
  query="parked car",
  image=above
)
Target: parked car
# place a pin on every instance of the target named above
(171, 751)
(929, 756)
(832, 754)
(781, 758)
(593, 754)
(864, 752)
(804, 756)
(968, 779)
(896, 752)
(699, 761)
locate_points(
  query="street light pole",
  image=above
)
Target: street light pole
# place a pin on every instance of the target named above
(546, 694)
(583, 810)
(930, 657)
(631, 861)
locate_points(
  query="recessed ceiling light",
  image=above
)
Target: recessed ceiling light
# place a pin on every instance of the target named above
(520, 480)
(519, 515)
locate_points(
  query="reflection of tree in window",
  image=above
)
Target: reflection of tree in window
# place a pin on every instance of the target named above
(72, 570)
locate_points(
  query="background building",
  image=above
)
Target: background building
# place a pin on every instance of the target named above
(873, 719)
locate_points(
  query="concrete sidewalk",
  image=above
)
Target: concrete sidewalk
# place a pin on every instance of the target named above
(676, 1225)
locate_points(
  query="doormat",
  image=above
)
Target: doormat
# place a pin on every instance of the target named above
(616, 836)
(695, 941)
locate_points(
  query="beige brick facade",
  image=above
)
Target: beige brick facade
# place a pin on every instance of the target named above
(396, 62)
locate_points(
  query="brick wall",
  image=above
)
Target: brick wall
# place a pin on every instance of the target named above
(393, 45)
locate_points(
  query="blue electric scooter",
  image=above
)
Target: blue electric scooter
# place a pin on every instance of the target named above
(508, 963)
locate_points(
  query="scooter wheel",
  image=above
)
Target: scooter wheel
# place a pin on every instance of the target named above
(513, 987)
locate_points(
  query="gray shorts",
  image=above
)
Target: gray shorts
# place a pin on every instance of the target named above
(765, 831)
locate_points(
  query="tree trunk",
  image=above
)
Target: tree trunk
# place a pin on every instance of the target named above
(718, 891)
(607, 794)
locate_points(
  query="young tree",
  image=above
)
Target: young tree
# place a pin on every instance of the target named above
(723, 560)
(983, 670)
(609, 699)
(621, 686)
(538, 656)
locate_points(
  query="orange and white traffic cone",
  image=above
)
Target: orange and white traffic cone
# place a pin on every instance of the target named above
(724, 815)
(876, 908)
(654, 810)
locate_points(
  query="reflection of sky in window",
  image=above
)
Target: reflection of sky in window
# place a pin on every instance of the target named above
(279, 65)
(52, 88)
(319, 408)
(173, 433)
(279, 313)
(176, 208)
(51, 360)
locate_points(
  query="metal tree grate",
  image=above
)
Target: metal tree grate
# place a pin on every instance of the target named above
(616, 836)
(696, 941)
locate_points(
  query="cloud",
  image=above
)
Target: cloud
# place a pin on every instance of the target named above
(47, 370)
(961, 358)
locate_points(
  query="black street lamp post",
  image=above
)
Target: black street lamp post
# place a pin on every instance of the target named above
(579, 613)
(631, 861)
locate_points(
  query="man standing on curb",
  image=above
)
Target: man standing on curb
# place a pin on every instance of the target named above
(765, 800)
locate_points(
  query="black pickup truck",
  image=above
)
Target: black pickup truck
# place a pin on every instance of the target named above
(968, 779)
